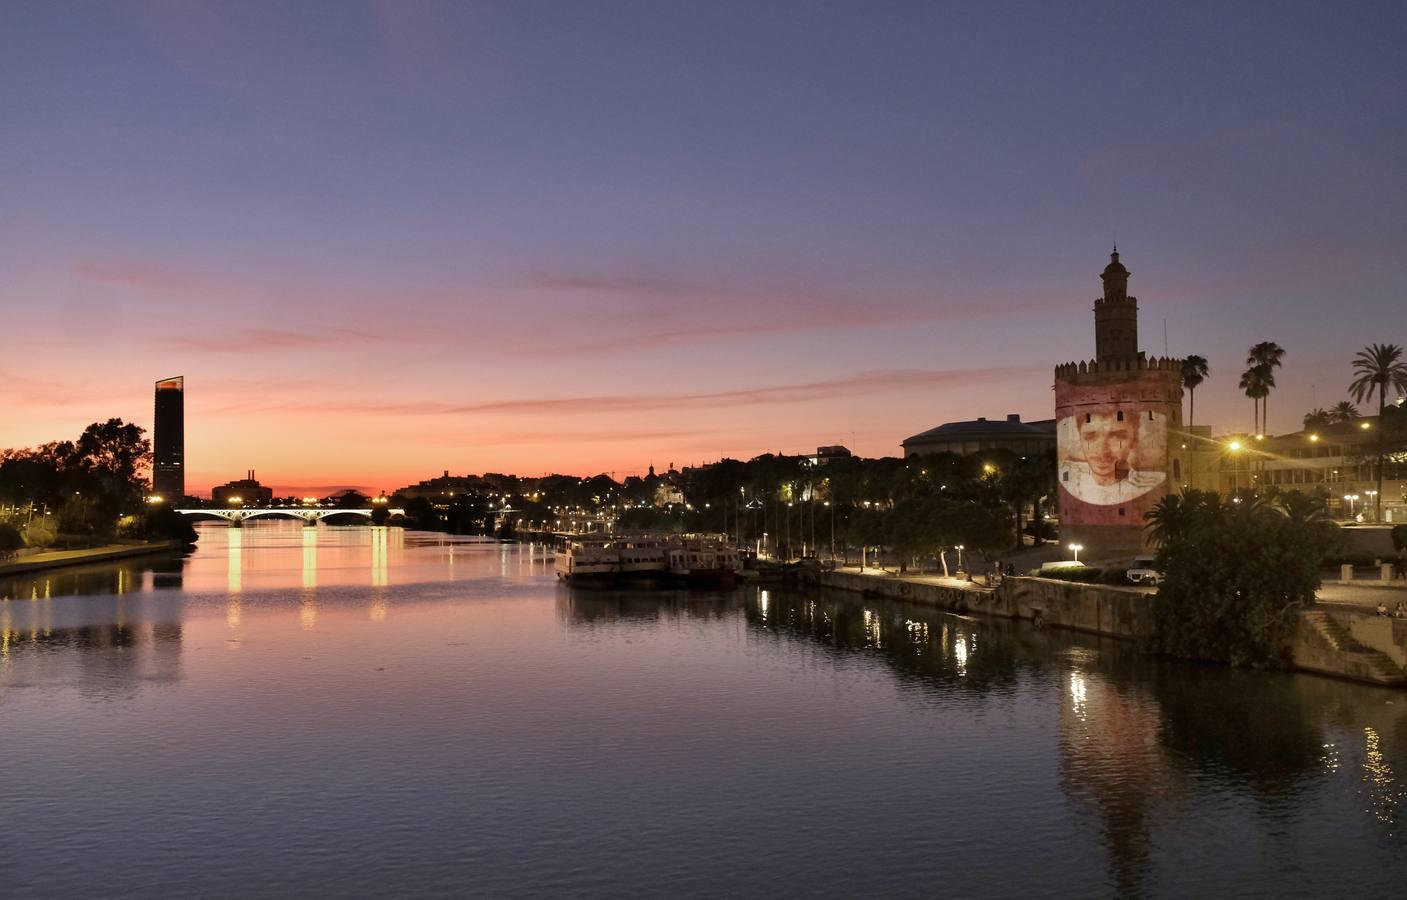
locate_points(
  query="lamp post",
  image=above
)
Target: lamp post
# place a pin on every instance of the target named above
(832, 509)
(1370, 494)
(959, 549)
(1234, 448)
(1075, 549)
(788, 530)
(1351, 498)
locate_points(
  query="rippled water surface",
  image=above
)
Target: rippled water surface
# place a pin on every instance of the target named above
(361, 711)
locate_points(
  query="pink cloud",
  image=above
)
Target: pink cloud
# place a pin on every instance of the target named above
(143, 275)
(247, 340)
(863, 383)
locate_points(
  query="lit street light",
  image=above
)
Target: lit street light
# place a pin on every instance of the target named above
(1075, 549)
(1351, 498)
(1233, 448)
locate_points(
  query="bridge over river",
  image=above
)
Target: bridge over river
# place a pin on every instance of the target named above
(310, 517)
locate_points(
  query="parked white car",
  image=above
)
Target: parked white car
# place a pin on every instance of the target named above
(1142, 572)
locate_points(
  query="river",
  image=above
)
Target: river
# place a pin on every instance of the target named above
(373, 712)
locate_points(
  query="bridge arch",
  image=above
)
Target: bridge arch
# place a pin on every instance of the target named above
(237, 517)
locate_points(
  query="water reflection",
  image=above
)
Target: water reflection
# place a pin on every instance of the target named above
(310, 558)
(234, 565)
(114, 659)
(440, 671)
(121, 577)
(379, 541)
(583, 608)
(1137, 736)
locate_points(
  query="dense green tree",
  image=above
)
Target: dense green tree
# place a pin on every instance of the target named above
(164, 523)
(1027, 480)
(10, 541)
(1316, 419)
(350, 499)
(1235, 574)
(89, 482)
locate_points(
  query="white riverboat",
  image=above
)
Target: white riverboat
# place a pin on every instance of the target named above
(701, 561)
(586, 561)
(643, 560)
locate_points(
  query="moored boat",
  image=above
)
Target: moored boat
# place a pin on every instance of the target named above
(704, 563)
(588, 562)
(643, 561)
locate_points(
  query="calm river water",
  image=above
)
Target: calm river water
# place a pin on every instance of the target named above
(361, 711)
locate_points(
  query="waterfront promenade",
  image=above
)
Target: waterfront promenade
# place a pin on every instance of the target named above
(54, 559)
(1364, 594)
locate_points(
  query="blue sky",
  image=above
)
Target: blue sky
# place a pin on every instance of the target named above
(503, 236)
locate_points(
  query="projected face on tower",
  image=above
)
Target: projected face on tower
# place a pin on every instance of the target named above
(1107, 441)
(1110, 454)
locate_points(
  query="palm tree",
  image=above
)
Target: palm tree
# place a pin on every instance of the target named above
(1266, 355)
(1343, 411)
(1317, 418)
(1378, 366)
(1194, 372)
(1254, 386)
(1176, 516)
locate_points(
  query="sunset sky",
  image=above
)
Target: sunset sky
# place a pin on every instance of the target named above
(381, 240)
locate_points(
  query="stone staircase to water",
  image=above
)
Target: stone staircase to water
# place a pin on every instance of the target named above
(1357, 660)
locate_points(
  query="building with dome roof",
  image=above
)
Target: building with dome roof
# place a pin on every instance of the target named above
(982, 435)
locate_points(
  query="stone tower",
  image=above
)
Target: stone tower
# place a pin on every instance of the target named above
(1118, 421)
(1115, 315)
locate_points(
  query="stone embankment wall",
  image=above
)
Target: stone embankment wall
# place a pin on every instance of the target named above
(1330, 640)
(1094, 608)
(1352, 643)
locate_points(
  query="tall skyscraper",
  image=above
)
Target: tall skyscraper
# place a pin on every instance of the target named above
(168, 471)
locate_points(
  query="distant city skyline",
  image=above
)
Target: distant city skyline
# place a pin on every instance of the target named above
(403, 238)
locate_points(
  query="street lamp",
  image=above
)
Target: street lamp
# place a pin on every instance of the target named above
(1076, 548)
(1351, 498)
(959, 548)
(1233, 448)
(1370, 495)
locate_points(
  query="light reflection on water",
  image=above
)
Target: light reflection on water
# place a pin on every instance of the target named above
(368, 711)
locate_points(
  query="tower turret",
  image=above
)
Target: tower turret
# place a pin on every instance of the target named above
(1115, 315)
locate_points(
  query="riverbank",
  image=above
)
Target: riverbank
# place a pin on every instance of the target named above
(1335, 640)
(56, 559)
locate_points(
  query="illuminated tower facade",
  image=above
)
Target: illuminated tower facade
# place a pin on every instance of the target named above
(1118, 426)
(168, 471)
